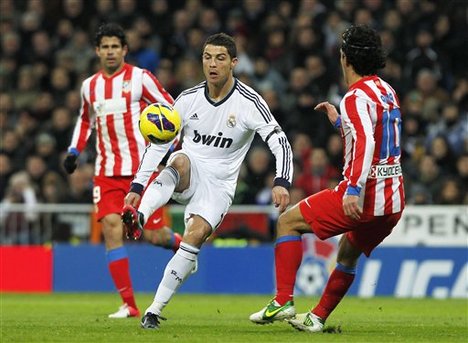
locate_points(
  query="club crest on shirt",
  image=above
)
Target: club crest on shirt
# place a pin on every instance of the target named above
(126, 86)
(231, 122)
(98, 107)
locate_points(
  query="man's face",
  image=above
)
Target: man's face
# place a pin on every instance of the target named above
(217, 64)
(111, 54)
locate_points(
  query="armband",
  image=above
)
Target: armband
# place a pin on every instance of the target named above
(73, 151)
(136, 188)
(277, 129)
(337, 124)
(353, 190)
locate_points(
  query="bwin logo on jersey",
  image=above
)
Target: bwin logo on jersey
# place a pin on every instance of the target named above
(217, 141)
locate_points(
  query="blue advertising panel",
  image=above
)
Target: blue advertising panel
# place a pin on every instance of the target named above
(390, 271)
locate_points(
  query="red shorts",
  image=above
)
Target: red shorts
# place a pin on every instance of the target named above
(109, 194)
(324, 213)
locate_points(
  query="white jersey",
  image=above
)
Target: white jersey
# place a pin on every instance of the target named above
(219, 134)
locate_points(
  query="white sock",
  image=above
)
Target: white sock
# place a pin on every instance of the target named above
(176, 272)
(159, 191)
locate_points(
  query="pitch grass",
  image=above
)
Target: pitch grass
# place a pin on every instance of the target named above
(66, 317)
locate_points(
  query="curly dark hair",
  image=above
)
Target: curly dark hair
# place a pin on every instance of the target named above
(362, 47)
(223, 39)
(110, 30)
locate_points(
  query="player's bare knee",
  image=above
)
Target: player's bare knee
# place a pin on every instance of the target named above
(285, 224)
(181, 163)
(198, 230)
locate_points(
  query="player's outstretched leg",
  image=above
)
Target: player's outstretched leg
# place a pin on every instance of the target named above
(274, 312)
(151, 321)
(308, 322)
(132, 221)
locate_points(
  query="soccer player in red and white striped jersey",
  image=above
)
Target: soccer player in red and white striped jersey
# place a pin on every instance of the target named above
(111, 102)
(367, 203)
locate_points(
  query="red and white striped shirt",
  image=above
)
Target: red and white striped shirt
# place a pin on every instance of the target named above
(371, 131)
(112, 105)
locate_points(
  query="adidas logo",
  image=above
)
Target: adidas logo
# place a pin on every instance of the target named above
(194, 116)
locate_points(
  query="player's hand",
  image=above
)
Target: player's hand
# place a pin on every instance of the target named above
(280, 197)
(132, 198)
(329, 109)
(70, 164)
(351, 207)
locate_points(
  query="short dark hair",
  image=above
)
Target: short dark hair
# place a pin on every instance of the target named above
(223, 39)
(110, 30)
(362, 47)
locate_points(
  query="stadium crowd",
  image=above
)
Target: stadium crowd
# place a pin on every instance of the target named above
(288, 51)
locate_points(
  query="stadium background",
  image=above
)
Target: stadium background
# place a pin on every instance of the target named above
(288, 51)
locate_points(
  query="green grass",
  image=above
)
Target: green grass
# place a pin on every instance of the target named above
(66, 317)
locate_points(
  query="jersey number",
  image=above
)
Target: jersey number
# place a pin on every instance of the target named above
(391, 132)
(96, 194)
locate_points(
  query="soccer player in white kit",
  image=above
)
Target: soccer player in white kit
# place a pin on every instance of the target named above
(220, 117)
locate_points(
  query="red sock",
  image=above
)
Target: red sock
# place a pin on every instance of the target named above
(288, 257)
(177, 240)
(119, 270)
(337, 286)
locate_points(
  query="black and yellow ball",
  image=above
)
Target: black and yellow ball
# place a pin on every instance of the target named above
(159, 123)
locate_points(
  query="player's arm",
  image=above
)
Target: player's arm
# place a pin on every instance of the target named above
(81, 132)
(153, 91)
(332, 113)
(152, 157)
(356, 116)
(279, 145)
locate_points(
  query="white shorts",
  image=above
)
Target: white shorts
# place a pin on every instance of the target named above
(206, 196)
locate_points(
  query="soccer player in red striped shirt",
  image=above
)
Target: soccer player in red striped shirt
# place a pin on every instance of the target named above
(367, 203)
(111, 102)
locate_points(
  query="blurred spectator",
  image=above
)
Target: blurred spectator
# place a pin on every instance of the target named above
(462, 175)
(302, 147)
(245, 64)
(316, 173)
(36, 168)
(80, 51)
(284, 119)
(258, 167)
(422, 56)
(188, 73)
(335, 152)
(265, 77)
(440, 150)
(17, 225)
(81, 185)
(451, 192)
(45, 148)
(139, 54)
(10, 145)
(6, 170)
(429, 179)
(427, 94)
(209, 22)
(276, 51)
(27, 87)
(306, 42)
(453, 126)
(60, 83)
(74, 11)
(318, 74)
(61, 127)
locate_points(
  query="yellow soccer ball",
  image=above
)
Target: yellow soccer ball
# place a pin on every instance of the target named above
(159, 123)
